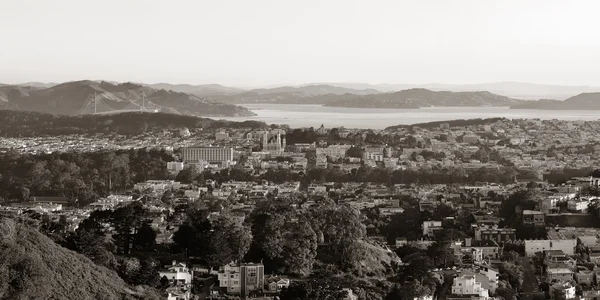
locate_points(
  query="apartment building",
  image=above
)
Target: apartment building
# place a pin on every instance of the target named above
(242, 279)
(196, 155)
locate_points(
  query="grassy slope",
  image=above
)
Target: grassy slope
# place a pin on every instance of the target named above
(33, 267)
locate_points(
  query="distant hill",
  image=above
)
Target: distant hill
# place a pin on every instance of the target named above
(520, 90)
(309, 94)
(451, 123)
(417, 98)
(342, 97)
(198, 90)
(38, 84)
(70, 98)
(23, 124)
(585, 101)
(34, 267)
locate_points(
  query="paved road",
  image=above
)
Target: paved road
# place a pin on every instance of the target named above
(444, 289)
(530, 281)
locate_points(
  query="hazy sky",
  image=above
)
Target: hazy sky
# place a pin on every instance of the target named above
(263, 42)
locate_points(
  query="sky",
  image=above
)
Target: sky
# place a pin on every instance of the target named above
(248, 43)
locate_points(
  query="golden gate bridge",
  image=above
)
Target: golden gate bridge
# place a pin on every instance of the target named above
(96, 105)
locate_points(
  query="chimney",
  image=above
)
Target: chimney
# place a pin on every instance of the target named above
(468, 242)
(174, 262)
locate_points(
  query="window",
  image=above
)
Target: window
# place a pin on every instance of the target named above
(235, 282)
(231, 276)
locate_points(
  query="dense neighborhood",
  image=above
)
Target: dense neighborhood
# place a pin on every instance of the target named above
(470, 209)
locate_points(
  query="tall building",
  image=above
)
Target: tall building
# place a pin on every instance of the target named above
(241, 279)
(276, 145)
(207, 154)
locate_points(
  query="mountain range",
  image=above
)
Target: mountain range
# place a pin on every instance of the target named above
(74, 98)
(519, 90)
(218, 100)
(323, 95)
(584, 101)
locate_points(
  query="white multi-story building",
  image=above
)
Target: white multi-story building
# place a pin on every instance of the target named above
(241, 279)
(207, 154)
(562, 290)
(469, 285)
(334, 151)
(578, 205)
(222, 136)
(534, 246)
(174, 166)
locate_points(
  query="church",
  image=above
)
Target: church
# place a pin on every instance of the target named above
(275, 145)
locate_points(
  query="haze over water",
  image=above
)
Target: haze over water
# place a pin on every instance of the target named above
(299, 115)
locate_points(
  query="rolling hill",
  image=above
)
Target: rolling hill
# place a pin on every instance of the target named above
(198, 90)
(584, 101)
(519, 90)
(24, 123)
(34, 267)
(412, 98)
(70, 98)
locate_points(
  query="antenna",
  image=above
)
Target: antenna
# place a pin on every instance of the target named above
(143, 102)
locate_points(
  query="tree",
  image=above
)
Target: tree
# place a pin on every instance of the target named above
(418, 268)
(322, 289)
(410, 290)
(512, 273)
(355, 151)
(217, 243)
(506, 293)
(509, 256)
(289, 246)
(145, 238)
(188, 174)
(127, 220)
(93, 244)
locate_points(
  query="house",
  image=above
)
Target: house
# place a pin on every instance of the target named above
(594, 254)
(578, 205)
(274, 284)
(559, 272)
(498, 235)
(489, 249)
(533, 218)
(590, 294)
(470, 285)
(585, 277)
(492, 274)
(241, 278)
(177, 273)
(562, 290)
(430, 227)
(178, 293)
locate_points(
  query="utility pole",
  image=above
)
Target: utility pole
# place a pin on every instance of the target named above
(95, 104)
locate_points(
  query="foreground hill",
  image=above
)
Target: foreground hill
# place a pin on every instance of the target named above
(34, 267)
(23, 124)
(342, 97)
(585, 101)
(71, 98)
